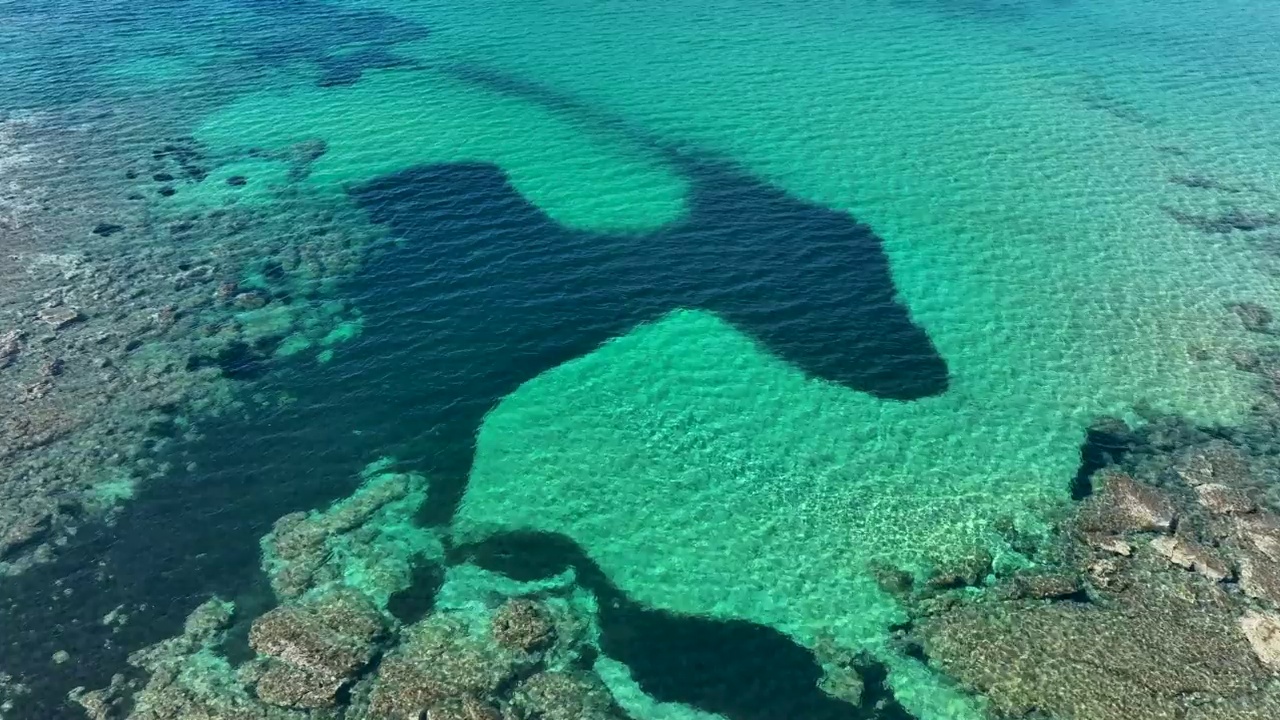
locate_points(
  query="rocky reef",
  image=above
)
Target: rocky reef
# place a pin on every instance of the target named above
(368, 541)
(1157, 597)
(127, 316)
(489, 648)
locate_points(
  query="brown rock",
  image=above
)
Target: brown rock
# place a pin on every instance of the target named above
(1137, 657)
(1042, 586)
(440, 659)
(1126, 505)
(522, 624)
(1262, 629)
(314, 649)
(291, 687)
(1192, 556)
(1222, 500)
(563, 696)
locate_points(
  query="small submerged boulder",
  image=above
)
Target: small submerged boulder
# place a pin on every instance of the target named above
(563, 696)
(523, 624)
(1192, 556)
(314, 649)
(60, 317)
(1223, 500)
(1215, 463)
(1126, 505)
(440, 662)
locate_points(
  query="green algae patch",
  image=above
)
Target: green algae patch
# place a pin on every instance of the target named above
(391, 121)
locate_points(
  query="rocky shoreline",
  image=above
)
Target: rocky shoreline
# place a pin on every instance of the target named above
(124, 320)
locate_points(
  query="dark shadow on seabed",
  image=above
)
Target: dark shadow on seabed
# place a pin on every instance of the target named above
(504, 293)
(737, 669)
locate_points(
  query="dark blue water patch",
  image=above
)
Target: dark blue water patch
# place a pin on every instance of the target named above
(510, 292)
(735, 668)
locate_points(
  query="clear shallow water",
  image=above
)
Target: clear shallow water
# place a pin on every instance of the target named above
(923, 244)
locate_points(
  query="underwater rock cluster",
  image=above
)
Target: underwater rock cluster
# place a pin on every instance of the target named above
(331, 649)
(1157, 597)
(124, 320)
(368, 540)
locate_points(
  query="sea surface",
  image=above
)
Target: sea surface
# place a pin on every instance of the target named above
(725, 299)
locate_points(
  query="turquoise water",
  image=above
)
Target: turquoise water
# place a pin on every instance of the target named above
(739, 297)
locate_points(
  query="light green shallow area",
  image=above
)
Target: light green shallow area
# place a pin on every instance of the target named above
(1018, 170)
(393, 120)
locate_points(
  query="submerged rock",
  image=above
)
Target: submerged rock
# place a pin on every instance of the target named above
(1216, 463)
(1137, 659)
(314, 649)
(1125, 505)
(1192, 556)
(368, 540)
(1263, 632)
(10, 346)
(522, 624)
(563, 696)
(188, 679)
(441, 661)
(1223, 500)
(59, 317)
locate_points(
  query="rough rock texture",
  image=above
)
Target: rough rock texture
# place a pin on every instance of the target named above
(1125, 505)
(188, 680)
(1135, 660)
(1222, 500)
(522, 624)
(1192, 556)
(1263, 632)
(441, 659)
(491, 648)
(1178, 551)
(313, 649)
(563, 696)
(368, 538)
